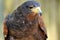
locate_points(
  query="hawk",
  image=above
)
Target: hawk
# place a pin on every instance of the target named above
(25, 23)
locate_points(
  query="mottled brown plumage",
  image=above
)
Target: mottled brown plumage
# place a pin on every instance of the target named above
(24, 26)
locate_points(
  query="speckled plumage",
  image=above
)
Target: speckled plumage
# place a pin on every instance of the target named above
(23, 24)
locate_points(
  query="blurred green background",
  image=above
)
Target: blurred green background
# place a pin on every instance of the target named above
(51, 15)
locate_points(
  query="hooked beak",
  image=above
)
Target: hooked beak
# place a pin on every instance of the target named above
(36, 10)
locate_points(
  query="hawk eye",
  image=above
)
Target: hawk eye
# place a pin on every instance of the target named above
(30, 7)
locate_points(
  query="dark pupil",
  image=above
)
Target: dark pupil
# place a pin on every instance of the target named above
(30, 7)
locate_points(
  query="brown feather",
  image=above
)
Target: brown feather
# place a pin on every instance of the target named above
(42, 25)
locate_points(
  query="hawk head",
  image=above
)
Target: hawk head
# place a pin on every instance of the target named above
(30, 7)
